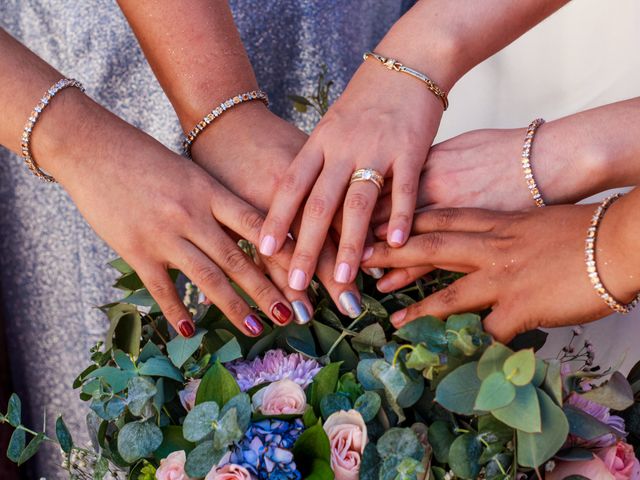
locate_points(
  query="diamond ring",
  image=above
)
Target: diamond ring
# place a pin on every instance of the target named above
(368, 175)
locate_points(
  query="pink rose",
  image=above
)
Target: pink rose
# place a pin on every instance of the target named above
(281, 398)
(617, 462)
(172, 467)
(228, 472)
(188, 395)
(347, 434)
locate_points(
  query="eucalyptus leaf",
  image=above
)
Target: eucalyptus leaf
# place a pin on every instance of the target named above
(400, 442)
(368, 404)
(16, 445)
(161, 367)
(139, 392)
(523, 413)
(421, 358)
(181, 348)
(615, 393)
(64, 436)
(332, 403)
(370, 336)
(138, 440)
(324, 383)
(149, 350)
(242, 404)
(495, 392)
(552, 383)
(370, 464)
(586, 426)
(366, 377)
(493, 359)
(32, 448)
(464, 456)
(200, 421)
(14, 411)
(229, 352)
(520, 367)
(374, 307)
(172, 441)
(117, 379)
(428, 330)
(441, 436)
(227, 430)
(201, 459)
(458, 390)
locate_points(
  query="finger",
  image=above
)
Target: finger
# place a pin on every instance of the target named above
(358, 206)
(318, 213)
(403, 203)
(502, 326)
(456, 220)
(291, 192)
(456, 251)
(401, 277)
(382, 211)
(300, 303)
(465, 295)
(213, 282)
(163, 290)
(373, 272)
(243, 271)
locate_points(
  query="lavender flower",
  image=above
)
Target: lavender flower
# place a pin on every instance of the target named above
(275, 365)
(265, 450)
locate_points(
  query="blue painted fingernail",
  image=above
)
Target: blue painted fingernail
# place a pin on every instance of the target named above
(351, 304)
(376, 272)
(301, 312)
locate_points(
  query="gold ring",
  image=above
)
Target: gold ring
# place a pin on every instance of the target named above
(368, 175)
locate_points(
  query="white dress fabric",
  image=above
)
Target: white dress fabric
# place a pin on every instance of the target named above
(582, 57)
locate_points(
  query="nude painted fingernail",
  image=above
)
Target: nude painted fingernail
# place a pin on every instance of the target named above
(398, 317)
(397, 237)
(351, 304)
(301, 312)
(384, 285)
(268, 246)
(253, 324)
(186, 328)
(343, 273)
(376, 272)
(367, 253)
(298, 279)
(281, 313)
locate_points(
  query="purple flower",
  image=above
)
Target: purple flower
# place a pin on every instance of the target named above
(265, 450)
(601, 413)
(275, 365)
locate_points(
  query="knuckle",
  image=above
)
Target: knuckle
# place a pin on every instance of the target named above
(235, 308)
(173, 211)
(235, 260)
(446, 217)
(207, 274)
(304, 257)
(432, 242)
(402, 218)
(357, 201)
(288, 183)
(449, 295)
(408, 188)
(160, 289)
(316, 207)
(251, 221)
(500, 244)
(348, 250)
(263, 292)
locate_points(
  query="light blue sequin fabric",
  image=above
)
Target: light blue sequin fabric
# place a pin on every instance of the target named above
(52, 265)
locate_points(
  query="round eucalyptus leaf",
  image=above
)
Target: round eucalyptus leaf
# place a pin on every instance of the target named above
(200, 421)
(368, 404)
(138, 440)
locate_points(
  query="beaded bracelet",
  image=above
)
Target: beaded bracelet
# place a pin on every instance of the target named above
(33, 118)
(189, 138)
(590, 258)
(526, 162)
(396, 66)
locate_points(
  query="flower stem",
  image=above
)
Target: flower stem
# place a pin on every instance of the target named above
(396, 356)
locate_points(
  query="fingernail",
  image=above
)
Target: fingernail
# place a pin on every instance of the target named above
(376, 272)
(268, 246)
(398, 317)
(301, 312)
(186, 328)
(253, 324)
(384, 285)
(281, 313)
(350, 303)
(397, 237)
(298, 279)
(366, 253)
(343, 273)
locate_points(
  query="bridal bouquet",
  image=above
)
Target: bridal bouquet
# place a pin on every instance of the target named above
(340, 398)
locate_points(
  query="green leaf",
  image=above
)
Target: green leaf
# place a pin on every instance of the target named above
(348, 384)
(428, 330)
(201, 459)
(180, 348)
(495, 392)
(370, 464)
(300, 99)
(366, 376)
(139, 440)
(575, 477)
(161, 367)
(218, 385)
(399, 386)
(327, 336)
(242, 404)
(14, 411)
(585, 426)
(229, 352)
(120, 265)
(200, 421)
(16, 445)
(368, 404)
(311, 445)
(371, 336)
(541, 373)
(536, 448)
(468, 321)
(32, 448)
(420, 358)
(227, 430)
(332, 403)
(441, 437)
(493, 430)
(493, 359)
(615, 393)
(129, 282)
(464, 456)
(125, 329)
(117, 379)
(400, 442)
(139, 392)
(457, 392)
(324, 383)
(64, 436)
(123, 361)
(172, 441)
(320, 470)
(552, 384)
(149, 350)
(524, 412)
(520, 367)
(374, 307)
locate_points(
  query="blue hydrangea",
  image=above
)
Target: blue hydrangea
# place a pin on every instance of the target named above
(265, 450)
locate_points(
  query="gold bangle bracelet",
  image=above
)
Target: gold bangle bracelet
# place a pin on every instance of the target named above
(590, 259)
(526, 162)
(396, 66)
(189, 138)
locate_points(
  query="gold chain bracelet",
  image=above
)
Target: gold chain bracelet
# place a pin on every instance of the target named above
(525, 158)
(396, 66)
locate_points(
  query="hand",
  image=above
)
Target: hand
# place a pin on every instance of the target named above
(384, 120)
(159, 211)
(252, 166)
(528, 267)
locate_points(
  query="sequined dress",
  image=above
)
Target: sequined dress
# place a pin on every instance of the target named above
(52, 265)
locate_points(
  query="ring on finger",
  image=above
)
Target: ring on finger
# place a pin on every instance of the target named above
(368, 175)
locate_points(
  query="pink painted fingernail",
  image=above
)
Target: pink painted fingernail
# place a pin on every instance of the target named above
(298, 279)
(253, 324)
(397, 237)
(268, 246)
(343, 273)
(398, 317)
(366, 253)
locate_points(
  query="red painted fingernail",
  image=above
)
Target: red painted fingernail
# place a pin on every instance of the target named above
(253, 324)
(281, 313)
(186, 328)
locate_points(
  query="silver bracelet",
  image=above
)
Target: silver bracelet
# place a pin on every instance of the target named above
(526, 162)
(590, 257)
(33, 118)
(189, 138)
